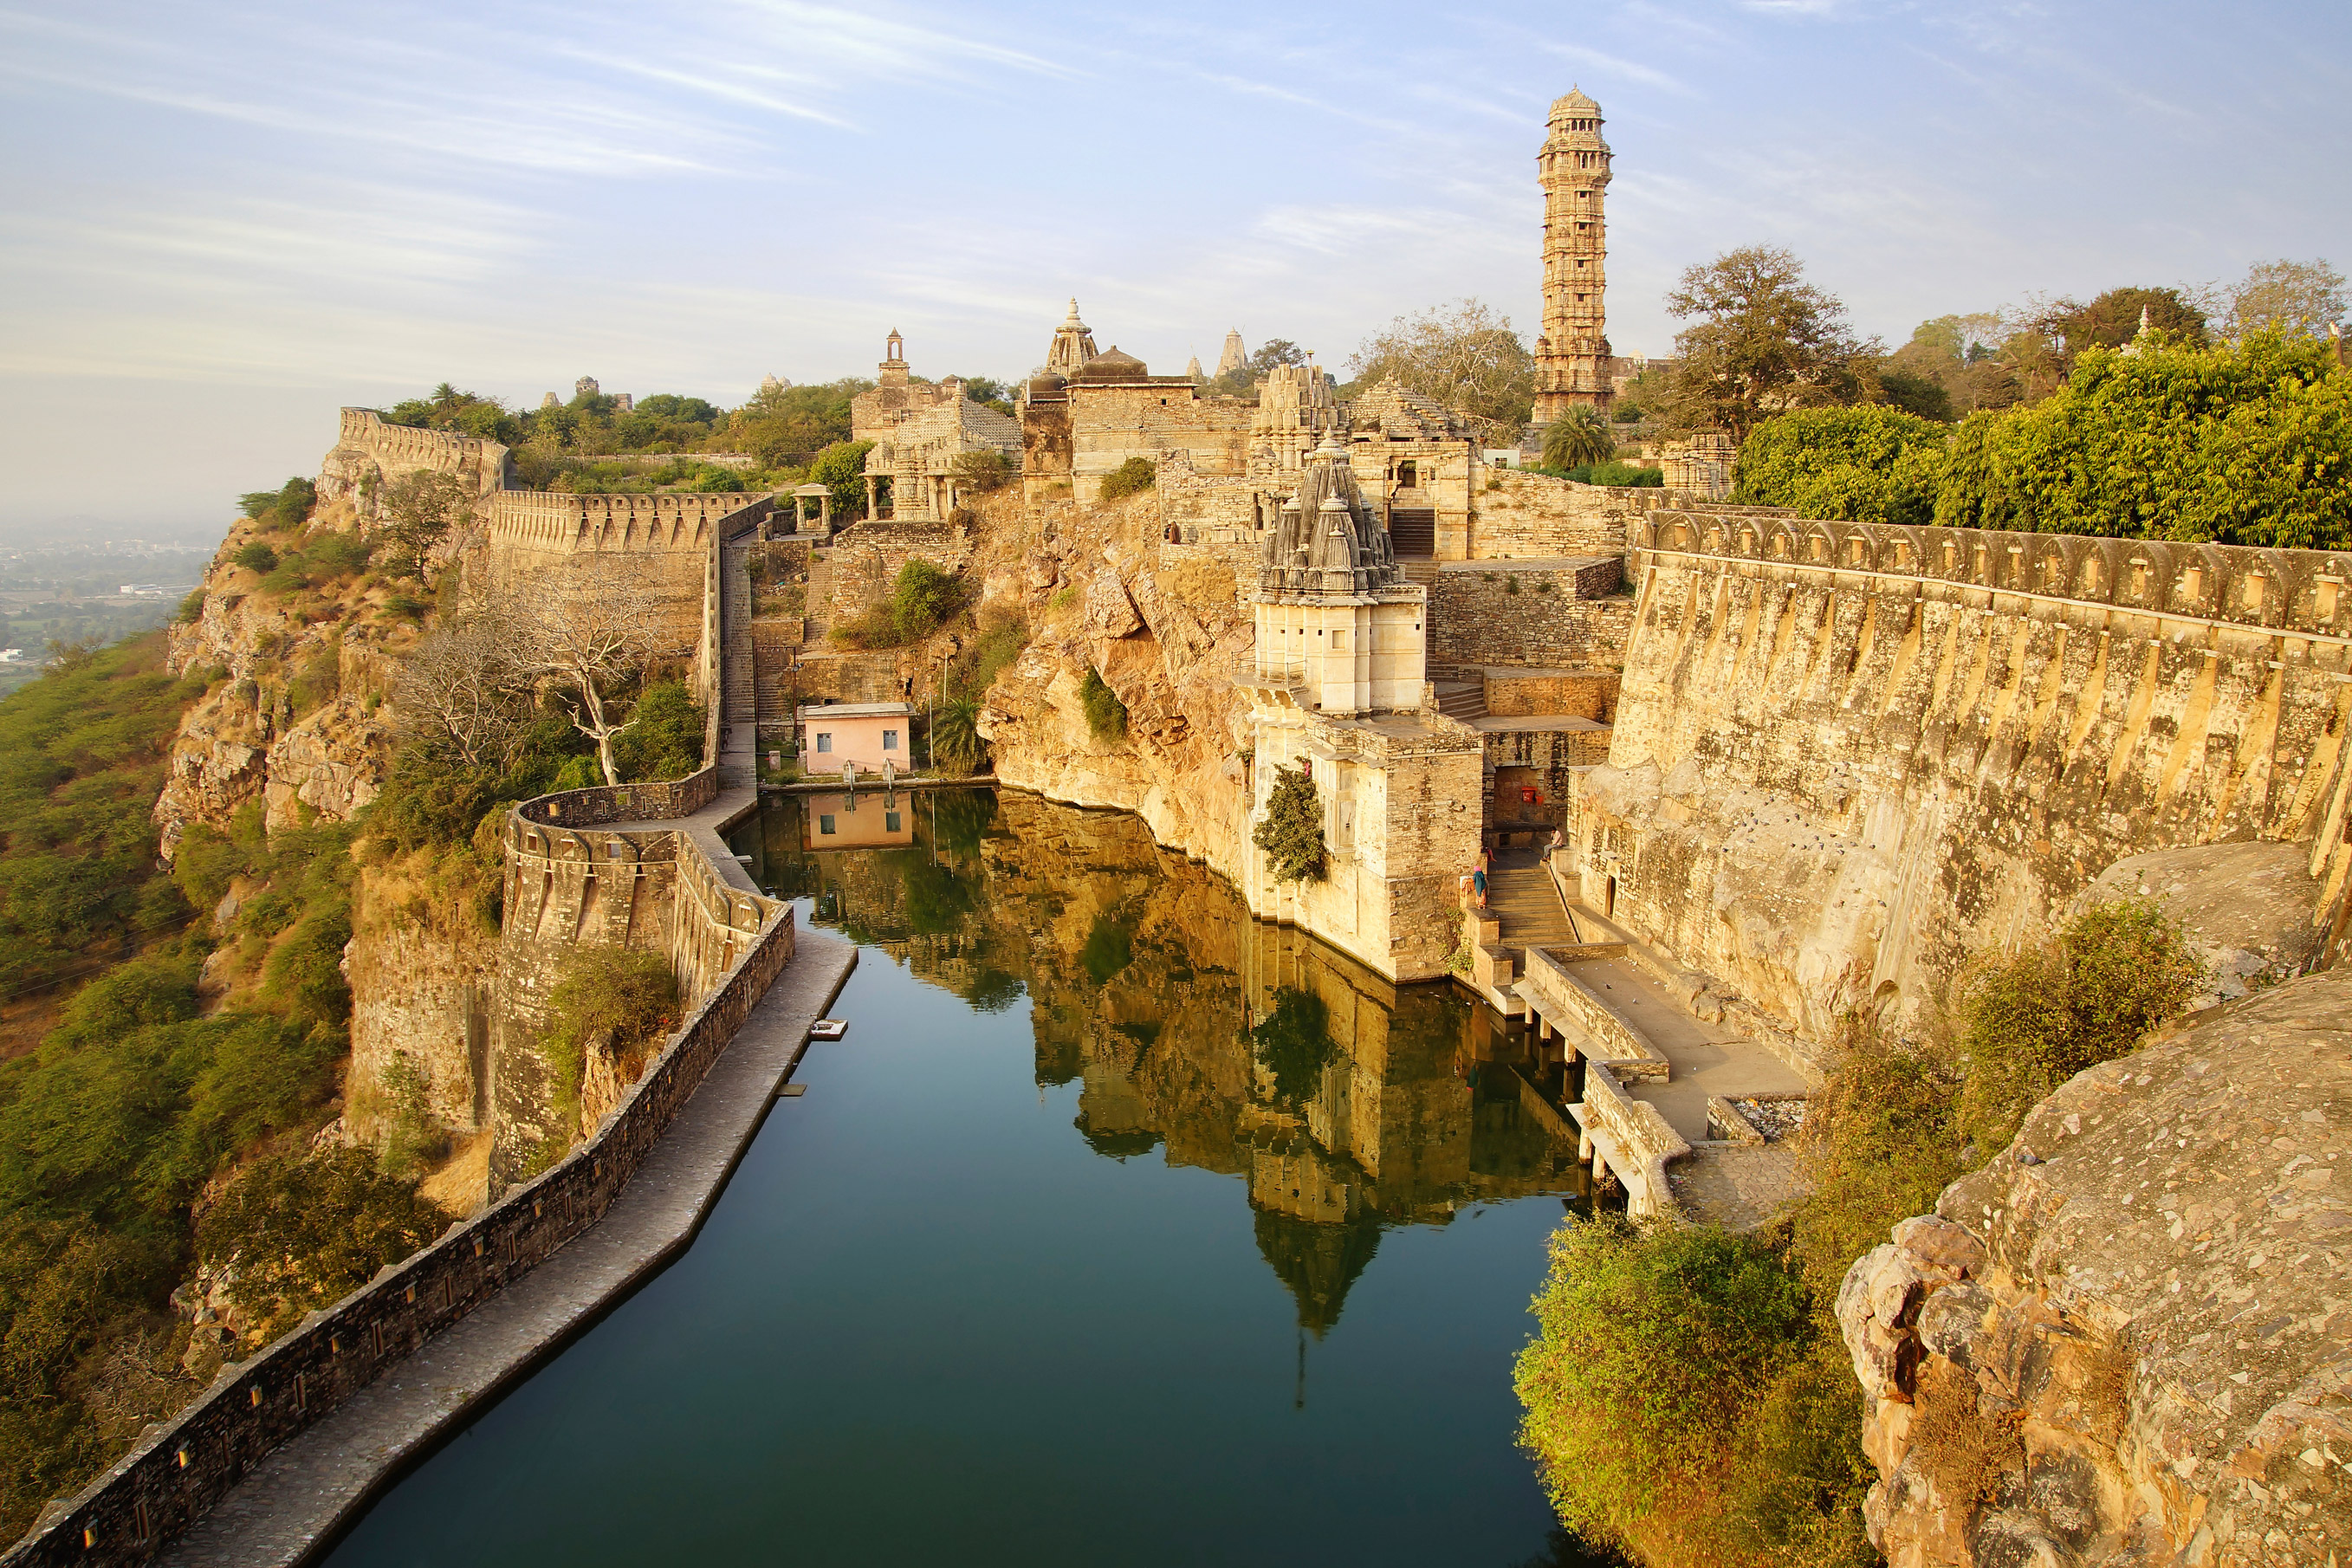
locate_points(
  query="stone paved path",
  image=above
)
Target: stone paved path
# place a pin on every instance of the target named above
(297, 1497)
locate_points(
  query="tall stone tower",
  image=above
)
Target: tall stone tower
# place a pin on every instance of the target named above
(1572, 354)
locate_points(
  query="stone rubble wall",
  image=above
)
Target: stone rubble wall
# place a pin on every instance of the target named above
(1555, 617)
(1582, 695)
(1847, 758)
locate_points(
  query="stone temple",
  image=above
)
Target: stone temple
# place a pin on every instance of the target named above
(1572, 357)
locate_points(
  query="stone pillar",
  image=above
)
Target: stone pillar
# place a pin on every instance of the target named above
(800, 512)
(825, 513)
(950, 484)
(870, 502)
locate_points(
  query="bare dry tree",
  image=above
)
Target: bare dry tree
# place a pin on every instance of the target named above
(592, 625)
(463, 691)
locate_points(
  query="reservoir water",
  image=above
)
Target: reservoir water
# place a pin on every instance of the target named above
(1120, 1230)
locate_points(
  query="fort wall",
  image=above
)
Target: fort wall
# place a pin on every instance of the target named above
(369, 452)
(1848, 758)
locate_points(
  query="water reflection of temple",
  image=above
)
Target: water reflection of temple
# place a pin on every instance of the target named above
(1344, 1102)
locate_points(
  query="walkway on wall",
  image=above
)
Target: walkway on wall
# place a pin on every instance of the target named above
(318, 1480)
(1663, 1056)
(308, 1486)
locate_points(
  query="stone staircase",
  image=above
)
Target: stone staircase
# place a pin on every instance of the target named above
(739, 692)
(1418, 569)
(1526, 904)
(1463, 700)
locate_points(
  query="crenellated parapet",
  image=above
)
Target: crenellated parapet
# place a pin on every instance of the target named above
(369, 451)
(1848, 759)
(535, 521)
(2285, 590)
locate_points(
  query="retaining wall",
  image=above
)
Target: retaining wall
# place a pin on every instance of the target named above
(1848, 758)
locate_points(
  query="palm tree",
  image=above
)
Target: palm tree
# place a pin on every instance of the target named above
(1579, 437)
(956, 745)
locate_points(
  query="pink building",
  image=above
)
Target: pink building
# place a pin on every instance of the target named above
(867, 734)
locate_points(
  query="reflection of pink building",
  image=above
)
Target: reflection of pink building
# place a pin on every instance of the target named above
(870, 819)
(867, 734)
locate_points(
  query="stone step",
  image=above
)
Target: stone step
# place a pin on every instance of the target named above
(1461, 700)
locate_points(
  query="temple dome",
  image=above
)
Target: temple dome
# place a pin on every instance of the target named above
(1046, 382)
(1112, 367)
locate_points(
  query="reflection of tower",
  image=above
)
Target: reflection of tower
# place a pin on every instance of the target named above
(1572, 354)
(1074, 345)
(1316, 1263)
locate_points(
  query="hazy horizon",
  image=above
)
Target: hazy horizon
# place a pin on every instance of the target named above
(223, 227)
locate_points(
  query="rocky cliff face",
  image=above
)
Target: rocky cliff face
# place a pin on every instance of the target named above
(2128, 1340)
(264, 734)
(1165, 628)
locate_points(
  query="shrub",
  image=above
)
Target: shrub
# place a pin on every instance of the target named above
(1131, 477)
(257, 556)
(922, 599)
(192, 609)
(1291, 833)
(1869, 464)
(614, 996)
(2034, 1020)
(286, 507)
(1105, 714)
(1640, 1386)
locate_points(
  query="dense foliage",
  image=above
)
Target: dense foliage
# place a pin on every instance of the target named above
(1687, 1395)
(82, 755)
(2247, 443)
(1131, 477)
(1105, 714)
(1867, 463)
(613, 998)
(1291, 831)
(297, 1233)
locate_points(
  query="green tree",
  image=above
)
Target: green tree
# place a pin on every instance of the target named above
(1868, 463)
(1578, 438)
(841, 468)
(1762, 340)
(419, 508)
(1291, 831)
(2249, 443)
(1464, 355)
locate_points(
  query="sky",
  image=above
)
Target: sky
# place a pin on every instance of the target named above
(218, 224)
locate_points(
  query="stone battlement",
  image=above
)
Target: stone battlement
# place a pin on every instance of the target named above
(2291, 591)
(684, 520)
(369, 450)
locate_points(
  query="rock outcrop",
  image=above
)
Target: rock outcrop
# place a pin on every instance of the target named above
(2128, 1339)
(1165, 629)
